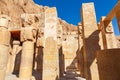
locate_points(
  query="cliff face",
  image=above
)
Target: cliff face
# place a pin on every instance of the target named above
(14, 8)
(67, 27)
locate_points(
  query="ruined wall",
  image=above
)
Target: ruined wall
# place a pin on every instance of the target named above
(109, 64)
(69, 44)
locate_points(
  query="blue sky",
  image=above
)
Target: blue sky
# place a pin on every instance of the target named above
(69, 10)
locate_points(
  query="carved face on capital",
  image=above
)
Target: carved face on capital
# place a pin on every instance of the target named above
(109, 29)
(4, 20)
(29, 19)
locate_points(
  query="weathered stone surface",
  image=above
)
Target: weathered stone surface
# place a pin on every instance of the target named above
(28, 37)
(91, 37)
(109, 64)
(59, 33)
(70, 47)
(14, 9)
(118, 41)
(4, 45)
(50, 29)
(26, 60)
(50, 54)
(80, 57)
(4, 33)
(109, 40)
(12, 56)
(50, 60)
(60, 49)
(40, 37)
(67, 27)
(4, 51)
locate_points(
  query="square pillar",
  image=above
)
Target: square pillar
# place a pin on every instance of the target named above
(90, 41)
(118, 17)
(50, 51)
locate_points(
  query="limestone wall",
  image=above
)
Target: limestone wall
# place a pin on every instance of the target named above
(70, 47)
(109, 64)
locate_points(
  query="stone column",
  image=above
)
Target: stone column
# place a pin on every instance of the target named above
(118, 17)
(50, 52)
(4, 45)
(26, 60)
(108, 36)
(28, 35)
(90, 41)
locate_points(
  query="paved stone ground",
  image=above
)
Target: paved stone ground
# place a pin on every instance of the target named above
(11, 77)
(69, 75)
(72, 75)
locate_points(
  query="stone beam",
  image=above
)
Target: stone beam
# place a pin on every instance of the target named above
(112, 13)
(118, 18)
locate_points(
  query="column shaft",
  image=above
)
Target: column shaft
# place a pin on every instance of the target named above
(3, 60)
(26, 60)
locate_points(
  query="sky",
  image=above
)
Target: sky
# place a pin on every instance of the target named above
(69, 10)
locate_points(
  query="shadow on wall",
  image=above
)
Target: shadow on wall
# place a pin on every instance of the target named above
(61, 62)
(109, 64)
(38, 63)
(71, 69)
(90, 48)
(80, 61)
(17, 63)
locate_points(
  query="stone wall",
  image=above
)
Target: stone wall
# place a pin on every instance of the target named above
(109, 64)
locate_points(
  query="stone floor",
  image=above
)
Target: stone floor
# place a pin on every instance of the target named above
(11, 77)
(72, 75)
(69, 75)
